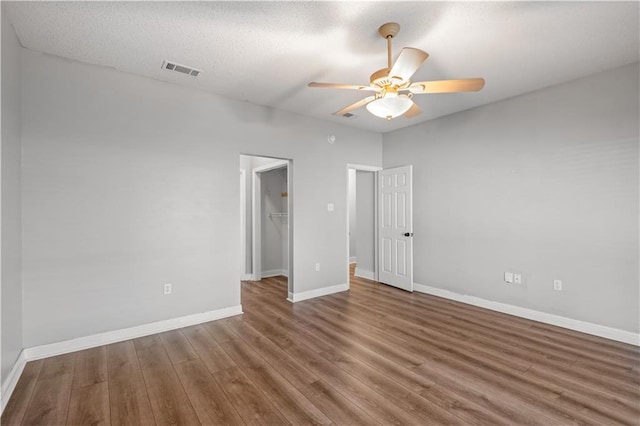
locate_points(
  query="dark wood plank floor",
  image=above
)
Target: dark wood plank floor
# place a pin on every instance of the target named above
(373, 355)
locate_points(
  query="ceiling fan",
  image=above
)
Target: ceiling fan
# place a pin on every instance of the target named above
(393, 87)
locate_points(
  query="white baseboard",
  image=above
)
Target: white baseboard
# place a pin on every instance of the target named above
(275, 273)
(572, 324)
(59, 348)
(298, 297)
(363, 273)
(246, 277)
(11, 381)
(67, 346)
(352, 259)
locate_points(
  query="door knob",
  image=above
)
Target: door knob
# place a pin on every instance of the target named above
(408, 234)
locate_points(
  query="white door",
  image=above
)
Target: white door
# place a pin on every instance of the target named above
(395, 229)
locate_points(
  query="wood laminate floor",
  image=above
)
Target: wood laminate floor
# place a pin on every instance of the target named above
(373, 355)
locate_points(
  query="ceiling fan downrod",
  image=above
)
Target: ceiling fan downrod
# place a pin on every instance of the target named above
(389, 31)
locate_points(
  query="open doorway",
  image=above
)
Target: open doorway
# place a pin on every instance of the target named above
(362, 222)
(266, 214)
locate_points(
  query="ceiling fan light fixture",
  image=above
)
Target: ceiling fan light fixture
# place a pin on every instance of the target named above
(390, 106)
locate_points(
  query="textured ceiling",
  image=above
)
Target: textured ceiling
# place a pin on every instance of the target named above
(266, 52)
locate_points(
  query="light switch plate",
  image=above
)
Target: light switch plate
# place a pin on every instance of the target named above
(557, 285)
(508, 277)
(330, 207)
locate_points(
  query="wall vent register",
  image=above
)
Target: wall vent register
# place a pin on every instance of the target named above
(183, 69)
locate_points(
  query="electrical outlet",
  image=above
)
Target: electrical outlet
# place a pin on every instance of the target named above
(508, 277)
(517, 278)
(557, 285)
(317, 267)
(167, 289)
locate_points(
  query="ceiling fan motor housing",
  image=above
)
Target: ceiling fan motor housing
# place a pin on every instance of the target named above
(382, 79)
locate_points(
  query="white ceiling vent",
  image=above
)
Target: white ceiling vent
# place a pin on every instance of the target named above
(173, 66)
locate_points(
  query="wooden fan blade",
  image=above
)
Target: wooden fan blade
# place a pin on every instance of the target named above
(408, 63)
(447, 86)
(357, 105)
(413, 111)
(343, 86)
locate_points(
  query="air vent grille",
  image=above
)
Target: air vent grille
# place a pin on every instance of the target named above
(348, 115)
(183, 69)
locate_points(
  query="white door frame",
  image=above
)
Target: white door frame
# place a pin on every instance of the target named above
(243, 226)
(256, 219)
(374, 169)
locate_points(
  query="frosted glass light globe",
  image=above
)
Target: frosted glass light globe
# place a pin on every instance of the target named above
(390, 106)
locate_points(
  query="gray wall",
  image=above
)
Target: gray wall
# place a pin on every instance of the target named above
(129, 183)
(365, 234)
(353, 226)
(544, 184)
(274, 229)
(11, 231)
